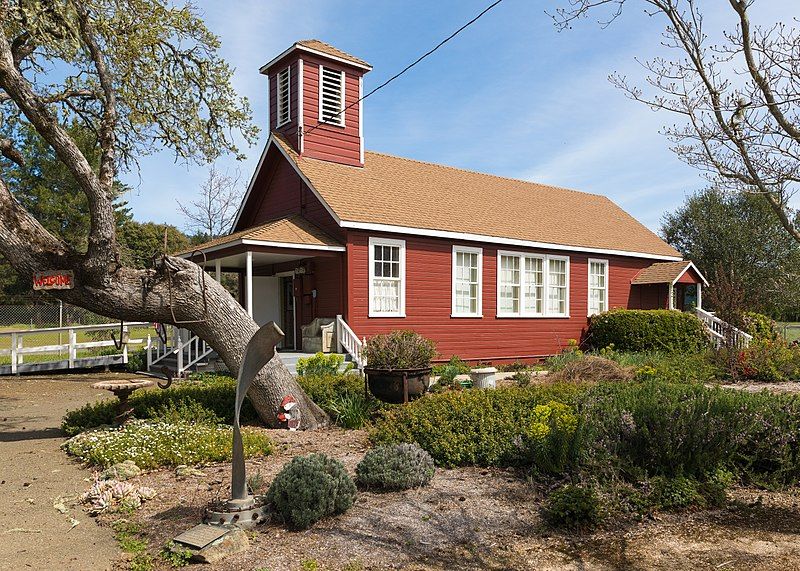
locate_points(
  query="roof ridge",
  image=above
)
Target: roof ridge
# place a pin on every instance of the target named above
(471, 171)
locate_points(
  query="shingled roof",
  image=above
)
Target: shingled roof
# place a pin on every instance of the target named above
(664, 273)
(290, 231)
(321, 48)
(400, 192)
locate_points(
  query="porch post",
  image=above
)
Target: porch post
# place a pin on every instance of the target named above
(218, 270)
(699, 295)
(670, 296)
(248, 284)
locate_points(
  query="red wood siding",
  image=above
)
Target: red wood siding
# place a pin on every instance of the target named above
(650, 296)
(690, 277)
(428, 301)
(279, 191)
(330, 142)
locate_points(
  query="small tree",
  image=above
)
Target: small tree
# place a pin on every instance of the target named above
(212, 213)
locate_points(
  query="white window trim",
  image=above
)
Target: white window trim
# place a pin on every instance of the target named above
(589, 263)
(279, 124)
(342, 106)
(387, 242)
(546, 270)
(466, 250)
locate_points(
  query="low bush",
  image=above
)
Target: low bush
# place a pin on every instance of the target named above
(656, 429)
(647, 330)
(309, 488)
(573, 507)
(591, 368)
(508, 426)
(320, 364)
(152, 444)
(341, 396)
(400, 349)
(766, 360)
(761, 327)
(395, 467)
(447, 372)
(522, 378)
(215, 395)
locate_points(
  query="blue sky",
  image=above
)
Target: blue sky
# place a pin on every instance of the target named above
(509, 96)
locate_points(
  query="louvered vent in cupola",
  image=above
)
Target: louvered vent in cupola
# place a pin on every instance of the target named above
(284, 97)
(331, 98)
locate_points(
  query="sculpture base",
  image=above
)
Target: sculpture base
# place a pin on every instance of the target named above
(245, 513)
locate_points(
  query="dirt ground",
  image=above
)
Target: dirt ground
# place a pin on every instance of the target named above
(34, 472)
(466, 519)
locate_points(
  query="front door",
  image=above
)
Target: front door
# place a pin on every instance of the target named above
(287, 304)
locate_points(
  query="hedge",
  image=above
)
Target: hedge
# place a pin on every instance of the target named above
(639, 330)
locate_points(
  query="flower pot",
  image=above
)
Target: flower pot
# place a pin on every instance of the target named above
(483, 378)
(398, 385)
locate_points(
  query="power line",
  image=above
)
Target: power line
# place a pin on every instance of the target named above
(411, 65)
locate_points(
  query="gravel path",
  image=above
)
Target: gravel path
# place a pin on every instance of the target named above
(34, 473)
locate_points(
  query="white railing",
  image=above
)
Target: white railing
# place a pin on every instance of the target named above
(721, 330)
(350, 342)
(22, 344)
(180, 344)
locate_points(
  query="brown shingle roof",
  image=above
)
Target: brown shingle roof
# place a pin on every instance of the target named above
(321, 46)
(403, 192)
(661, 273)
(289, 230)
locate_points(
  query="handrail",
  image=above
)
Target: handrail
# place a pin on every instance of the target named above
(350, 342)
(721, 330)
(187, 353)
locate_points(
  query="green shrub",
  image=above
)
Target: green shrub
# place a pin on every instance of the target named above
(522, 378)
(395, 467)
(485, 428)
(137, 361)
(214, 394)
(676, 492)
(309, 488)
(152, 444)
(638, 330)
(447, 372)
(761, 327)
(658, 429)
(186, 411)
(768, 361)
(341, 396)
(573, 507)
(400, 349)
(320, 364)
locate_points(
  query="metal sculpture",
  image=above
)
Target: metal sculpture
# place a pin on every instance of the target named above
(243, 509)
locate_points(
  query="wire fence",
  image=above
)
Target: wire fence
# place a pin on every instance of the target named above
(13, 317)
(791, 331)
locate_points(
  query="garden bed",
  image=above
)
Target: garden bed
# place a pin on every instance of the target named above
(473, 518)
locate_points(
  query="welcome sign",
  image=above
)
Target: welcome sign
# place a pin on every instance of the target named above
(57, 279)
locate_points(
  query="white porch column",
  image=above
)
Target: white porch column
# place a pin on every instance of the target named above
(699, 296)
(248, 284)
(218, 270)
(671, 295)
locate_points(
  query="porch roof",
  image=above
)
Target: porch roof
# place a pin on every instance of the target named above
(666, 273)
(293, 232)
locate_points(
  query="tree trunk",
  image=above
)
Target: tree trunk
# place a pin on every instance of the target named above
(146, 295)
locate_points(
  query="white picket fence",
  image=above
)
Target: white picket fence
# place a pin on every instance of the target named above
(721, 330)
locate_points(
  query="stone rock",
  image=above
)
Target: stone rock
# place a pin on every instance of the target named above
(233, 542)
(184, 471)
(122, 471)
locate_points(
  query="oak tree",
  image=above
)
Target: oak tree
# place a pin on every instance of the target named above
(141, 75)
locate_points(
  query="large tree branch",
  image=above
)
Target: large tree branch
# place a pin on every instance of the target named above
(740, 7)
(102, 252)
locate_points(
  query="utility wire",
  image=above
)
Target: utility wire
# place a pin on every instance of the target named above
(411, 65)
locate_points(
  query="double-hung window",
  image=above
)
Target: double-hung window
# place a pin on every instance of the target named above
(467, 278)
(331, 96)
(387, 276)
(598, 286)
(530, 285)
(284, 97)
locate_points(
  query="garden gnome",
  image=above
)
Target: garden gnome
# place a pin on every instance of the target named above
(289, 413)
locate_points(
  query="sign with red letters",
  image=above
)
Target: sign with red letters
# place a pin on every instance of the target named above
(57, 279)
